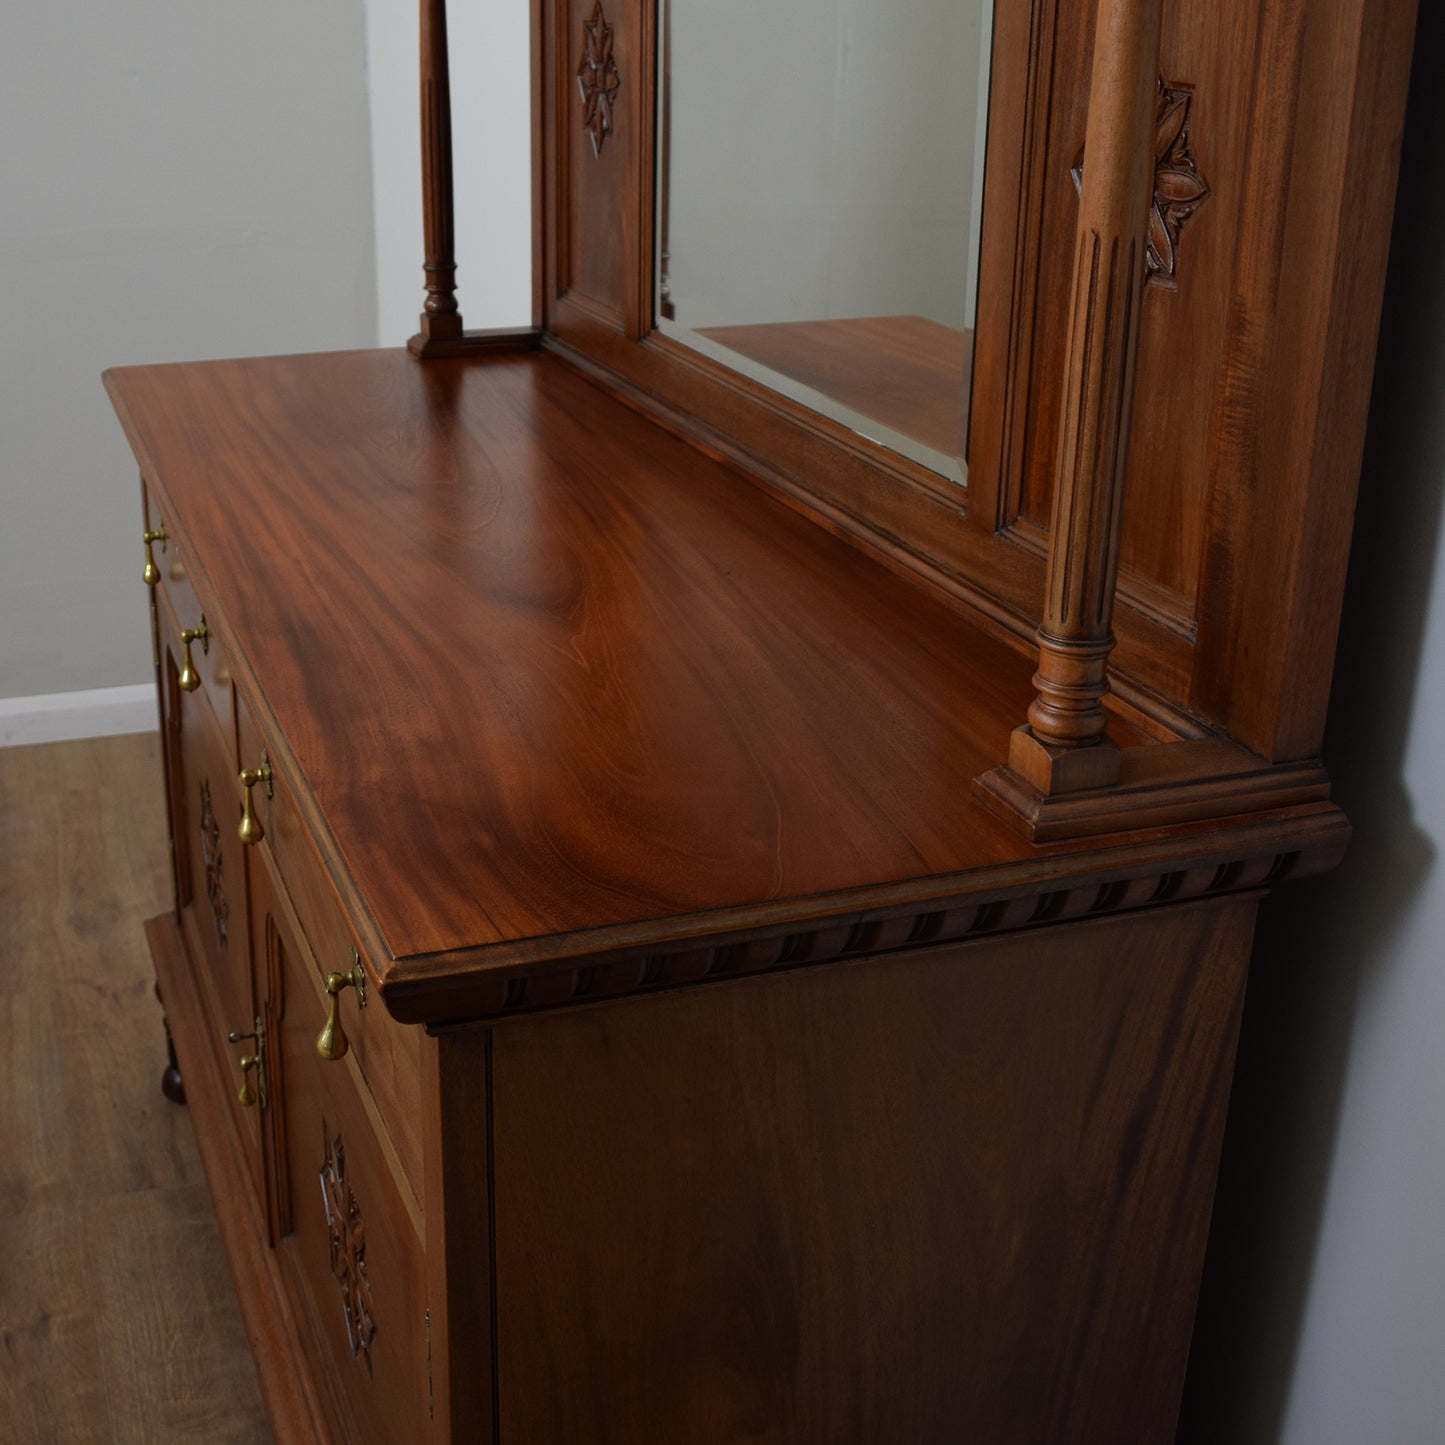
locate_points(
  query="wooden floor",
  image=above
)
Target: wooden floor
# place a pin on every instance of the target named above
(117, 1313)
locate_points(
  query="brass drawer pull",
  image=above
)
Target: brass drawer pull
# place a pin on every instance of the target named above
(152, 573)
(331, 1042)
(190, 679)
(251, 830)
(256, 1061)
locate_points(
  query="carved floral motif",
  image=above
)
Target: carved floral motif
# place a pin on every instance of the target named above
(211, 854)
(348, 1246)
(1179, 185)
(597, 78)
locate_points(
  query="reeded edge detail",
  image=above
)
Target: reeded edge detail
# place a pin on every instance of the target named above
(941, 922)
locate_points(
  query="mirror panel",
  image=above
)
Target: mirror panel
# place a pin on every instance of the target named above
(820, 187)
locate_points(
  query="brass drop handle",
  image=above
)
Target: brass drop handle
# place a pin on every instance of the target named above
(245, 1095)
(251, 830)
(331, 1042)
(256, 1061)
(152, 573)
(190, 679)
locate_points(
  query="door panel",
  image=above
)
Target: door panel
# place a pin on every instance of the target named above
(211, 879)
(346, 1241)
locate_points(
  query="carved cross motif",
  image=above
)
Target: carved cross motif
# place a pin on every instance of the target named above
(348, 1246)
(1179, 185)
(211, 854)
(597, 78)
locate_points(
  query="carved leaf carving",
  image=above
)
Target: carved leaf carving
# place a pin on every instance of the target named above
(1179, 185)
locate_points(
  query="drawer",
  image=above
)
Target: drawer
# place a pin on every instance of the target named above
(177, 608)
(170, 576)
(204, 806)
(388, 1054)
(347, 1236)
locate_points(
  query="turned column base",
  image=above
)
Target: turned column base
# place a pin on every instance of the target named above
(1053, 769)
(1156, 785)
(431, 346)
(438, 333)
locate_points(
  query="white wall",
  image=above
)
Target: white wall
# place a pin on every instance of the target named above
(1320, 1322)
(491, 158)
(178, 179)
(821, 159)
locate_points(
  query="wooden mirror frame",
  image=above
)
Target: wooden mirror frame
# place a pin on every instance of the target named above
(1189, 447)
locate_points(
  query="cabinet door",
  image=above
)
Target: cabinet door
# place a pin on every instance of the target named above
(346, 1238)
(205, 809)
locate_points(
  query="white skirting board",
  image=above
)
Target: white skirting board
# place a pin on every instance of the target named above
(58, 717)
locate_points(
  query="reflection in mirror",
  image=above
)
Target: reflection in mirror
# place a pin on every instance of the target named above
(820, 187)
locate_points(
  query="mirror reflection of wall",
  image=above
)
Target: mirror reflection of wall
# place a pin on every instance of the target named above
(821, 203)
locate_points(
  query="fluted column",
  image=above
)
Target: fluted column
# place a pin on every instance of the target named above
(440, 319)
(1063, 747)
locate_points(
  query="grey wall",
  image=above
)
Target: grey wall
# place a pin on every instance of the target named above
(178, 179)
(822, 159)
(492, 161)
(1320, 1320)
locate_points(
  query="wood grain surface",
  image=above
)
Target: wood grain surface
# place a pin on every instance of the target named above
(626, 683)
(959, 1198)
(117, 1321)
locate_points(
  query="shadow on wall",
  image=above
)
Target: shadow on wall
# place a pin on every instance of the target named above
(1321, 942)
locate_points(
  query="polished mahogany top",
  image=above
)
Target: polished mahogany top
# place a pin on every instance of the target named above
(539, 667)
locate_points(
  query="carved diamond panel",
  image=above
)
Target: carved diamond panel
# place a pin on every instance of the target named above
(211, 855)
(597, 78)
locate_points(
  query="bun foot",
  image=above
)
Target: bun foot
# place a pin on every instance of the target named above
(172, 1085)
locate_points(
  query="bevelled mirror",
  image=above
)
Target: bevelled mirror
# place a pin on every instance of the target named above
(820, 186)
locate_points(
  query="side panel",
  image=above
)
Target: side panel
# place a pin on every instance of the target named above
(959, 1195)
(204, 804)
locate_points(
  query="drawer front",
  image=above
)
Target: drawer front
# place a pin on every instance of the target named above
(171, 577)
(348, 1243)
(177, 608)
(205, 812)
(387, 1053)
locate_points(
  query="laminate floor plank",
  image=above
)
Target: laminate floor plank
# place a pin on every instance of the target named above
(178, 1344)
(117, 1314)
(50, 1390)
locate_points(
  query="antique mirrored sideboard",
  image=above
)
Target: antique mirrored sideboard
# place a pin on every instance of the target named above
(716, 838)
